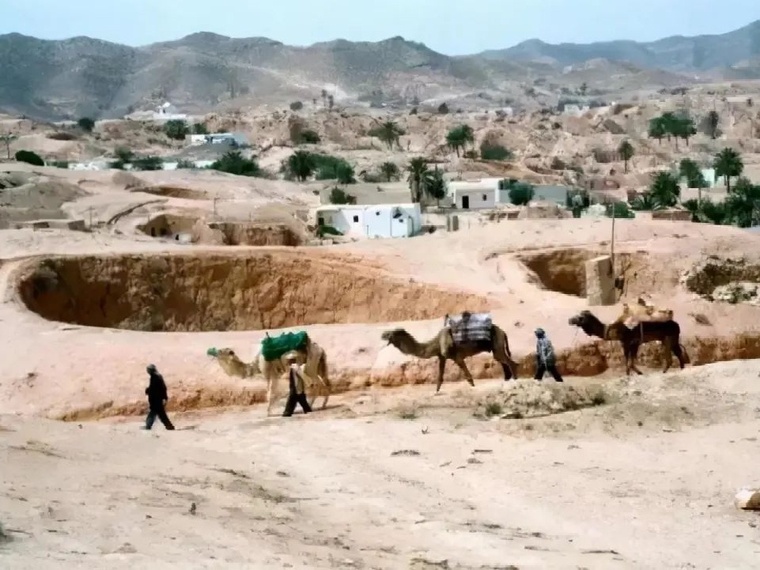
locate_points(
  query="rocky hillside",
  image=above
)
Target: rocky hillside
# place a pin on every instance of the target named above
(82, 76)
(676, 53)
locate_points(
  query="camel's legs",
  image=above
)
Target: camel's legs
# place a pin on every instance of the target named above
(627, 358)
(634, 354)
(463, 367)
(679, 354)
(441, 368)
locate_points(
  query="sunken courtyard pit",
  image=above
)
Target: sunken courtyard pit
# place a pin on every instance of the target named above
(564, 270)
(220, 292)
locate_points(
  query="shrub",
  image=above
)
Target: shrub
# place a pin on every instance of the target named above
(491, 151)
(86, 124)
(200, 129)
(29, 157)
(186, 164)
(60, 163)
(310, 136)
(62, 136)
(558, 164)
(620, 210)
(235, 163)
(443, 109)
(176, 129)
(340, 196)
(296, 106)
(148, 163)
(329, 167)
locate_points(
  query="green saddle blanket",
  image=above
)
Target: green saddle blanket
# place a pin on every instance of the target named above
(273, 347)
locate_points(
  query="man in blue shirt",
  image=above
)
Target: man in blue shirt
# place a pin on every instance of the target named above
(545, 359)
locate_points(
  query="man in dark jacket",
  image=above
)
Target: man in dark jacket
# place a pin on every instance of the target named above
(545, 359)
(297, 393)
(157, 397)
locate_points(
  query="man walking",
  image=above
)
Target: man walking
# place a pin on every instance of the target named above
(545, 359)
(157, 397)
(297, 393)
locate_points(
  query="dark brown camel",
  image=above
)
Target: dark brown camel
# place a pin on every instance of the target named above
(667, 332)
(443, 347)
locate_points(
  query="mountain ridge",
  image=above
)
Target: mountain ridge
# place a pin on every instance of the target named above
(81, 76)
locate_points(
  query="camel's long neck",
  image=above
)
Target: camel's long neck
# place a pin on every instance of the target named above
(421, 350)
(596, 328)
(235, 367)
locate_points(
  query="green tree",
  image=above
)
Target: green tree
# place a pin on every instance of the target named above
(459, 137)
(296, 106)
(301, 164)
(418, 177)
(86, 124)
(389, 171)
(711, 123)
(520, 193)
(664, 189)
(626, 152)
(200, 129)
(344, 173)
(683, 127)
(728, 164)
(657, 129)
(443, 109)
(233, 162)
(389, 133)
(29, 157)
(176, 129)
(743, 204)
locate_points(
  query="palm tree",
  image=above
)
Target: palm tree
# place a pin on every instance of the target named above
(693, 174)
(728, 163)
(626, 152)
(389, 132)
(301, 164)
(418, 177)
(646, 202)
(664, 189)
(435, 185)
(389, 170)
(459, 137)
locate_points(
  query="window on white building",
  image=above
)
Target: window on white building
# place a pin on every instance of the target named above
(356, 219)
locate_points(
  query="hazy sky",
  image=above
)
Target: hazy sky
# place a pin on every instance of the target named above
(449, 26)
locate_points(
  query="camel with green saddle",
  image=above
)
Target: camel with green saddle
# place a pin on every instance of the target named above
(462, 336)
(271, 362)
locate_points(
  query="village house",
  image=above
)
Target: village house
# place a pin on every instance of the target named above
(232, 139)
(374, 221)
(473, 195)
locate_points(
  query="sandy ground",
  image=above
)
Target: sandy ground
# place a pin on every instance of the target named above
(643, 479)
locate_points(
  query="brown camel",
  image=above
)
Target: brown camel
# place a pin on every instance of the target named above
(315, 372)
(443, 347)
(667, 332)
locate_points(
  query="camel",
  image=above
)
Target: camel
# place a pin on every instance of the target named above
(443, 346)
(667, 332)
(313, 360)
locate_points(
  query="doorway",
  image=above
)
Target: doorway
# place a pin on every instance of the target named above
(465, 202)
